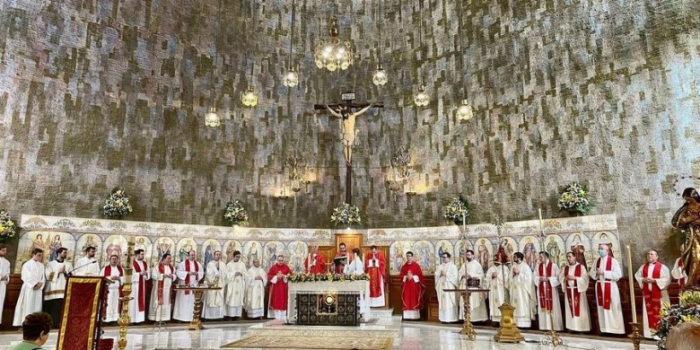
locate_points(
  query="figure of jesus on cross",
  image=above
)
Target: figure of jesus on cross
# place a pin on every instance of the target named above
(348, 134)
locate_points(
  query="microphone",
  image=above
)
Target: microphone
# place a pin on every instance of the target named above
(80, 267)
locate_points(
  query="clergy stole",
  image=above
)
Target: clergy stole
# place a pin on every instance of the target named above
(652, 295)
(142, 284)
(572, 294)
(545, 289)
(161, 283)
(108, 272)
(188, 279)
(681, 281)
(603, 298)
(374, 272)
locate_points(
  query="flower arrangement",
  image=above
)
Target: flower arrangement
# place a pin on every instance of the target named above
(671, 315)
(346, 214)
(328, 277)
(457, 210)
(235, 213)
(7, 226)
(117, 204)
(574, 198)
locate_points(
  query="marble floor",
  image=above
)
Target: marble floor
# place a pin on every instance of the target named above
(412, 336)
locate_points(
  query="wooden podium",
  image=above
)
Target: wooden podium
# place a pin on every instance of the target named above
(198, 292)
(82, 314)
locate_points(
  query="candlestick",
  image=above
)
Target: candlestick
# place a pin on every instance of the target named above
(633, 300)
(539, 211)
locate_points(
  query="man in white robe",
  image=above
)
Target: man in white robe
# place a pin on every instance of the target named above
(255, 291)
(355, 266)
(606, 271)
(214, 303)
(496, 280)
(33, 279)
(163, 277)
(447, 278)
(678, 271)
(472, 270)
(522, 292)
(114, 274)
(56, 272)
(189, 273)
(574, 283)
(137, 305)
(653, 278)
(546, 280)
(4, 275)
(87, 265)
(236, 286)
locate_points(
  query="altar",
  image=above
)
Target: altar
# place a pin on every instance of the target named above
(323, 300)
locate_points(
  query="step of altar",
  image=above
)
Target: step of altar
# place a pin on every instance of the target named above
(383, 313)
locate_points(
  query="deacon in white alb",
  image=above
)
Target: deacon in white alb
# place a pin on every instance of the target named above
(4, 275)
(163, 277)
(522, 292)
(447, 277)
(189, 272)
(574, 283)
(496, 281)
(87, 265)
(653, 278)
(114, 273)
(255, 291)
(56, 272)
(33, 280)
(356, 266)
(236, 286)
(137, 305)
(606, 271)
(472, 270)
(546, 281)
(214, 303)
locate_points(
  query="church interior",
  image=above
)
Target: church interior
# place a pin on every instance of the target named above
(397, 174)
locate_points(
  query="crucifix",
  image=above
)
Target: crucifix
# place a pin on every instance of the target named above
(347, 116)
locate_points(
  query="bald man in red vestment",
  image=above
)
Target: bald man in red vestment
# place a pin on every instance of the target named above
(277, 275)
(413, 288)
(318, 263)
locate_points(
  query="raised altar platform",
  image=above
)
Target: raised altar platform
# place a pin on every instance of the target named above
(357, 291)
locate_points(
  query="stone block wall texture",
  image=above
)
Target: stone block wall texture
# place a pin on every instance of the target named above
(96, 94)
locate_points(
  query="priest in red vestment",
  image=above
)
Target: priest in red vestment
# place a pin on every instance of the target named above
(413, 288)
(653, 278)
(375, 267)
(342, 253)
(277, 275)
(318, 263)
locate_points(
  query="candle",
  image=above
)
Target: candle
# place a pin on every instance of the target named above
(540, 212)
(464, 222)
(633, 300)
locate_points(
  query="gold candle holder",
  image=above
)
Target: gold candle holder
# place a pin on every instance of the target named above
(124, 318)
(635, 336)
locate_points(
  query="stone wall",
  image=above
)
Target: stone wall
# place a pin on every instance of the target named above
(96, 94)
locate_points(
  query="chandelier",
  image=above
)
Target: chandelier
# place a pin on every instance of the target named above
(331, 53)
(211, 119)
(421, 99)
(464, 112)
(250, 98)
(291, 79)
(380, 78)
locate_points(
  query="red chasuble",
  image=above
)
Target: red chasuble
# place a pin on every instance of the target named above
(142, 284)
(278, 290)
(375, 288)
(545, 288)
(652, 298)
(320, 266)
(412, 293)
(603, 298)
(572, 294)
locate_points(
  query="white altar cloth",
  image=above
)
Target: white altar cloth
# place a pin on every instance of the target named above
(347, 287)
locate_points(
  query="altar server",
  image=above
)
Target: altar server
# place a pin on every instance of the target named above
(33, 280)
(447, 277)
(546, 281)
(355, 266)
(606, 271)
(137, 306)
(189, 273)
(255, 290)
(163, 277)
(114, 273)
(496, 281)
(574, 283)
(214, 302)
(4, 275)
(413, 288)
(472, 270)
(318, 262)
(522, 292)
(375, 266)
(678, 272)
(87, 265)
(653, 278)
(235, 286)
(277, 275)
(56, 272)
